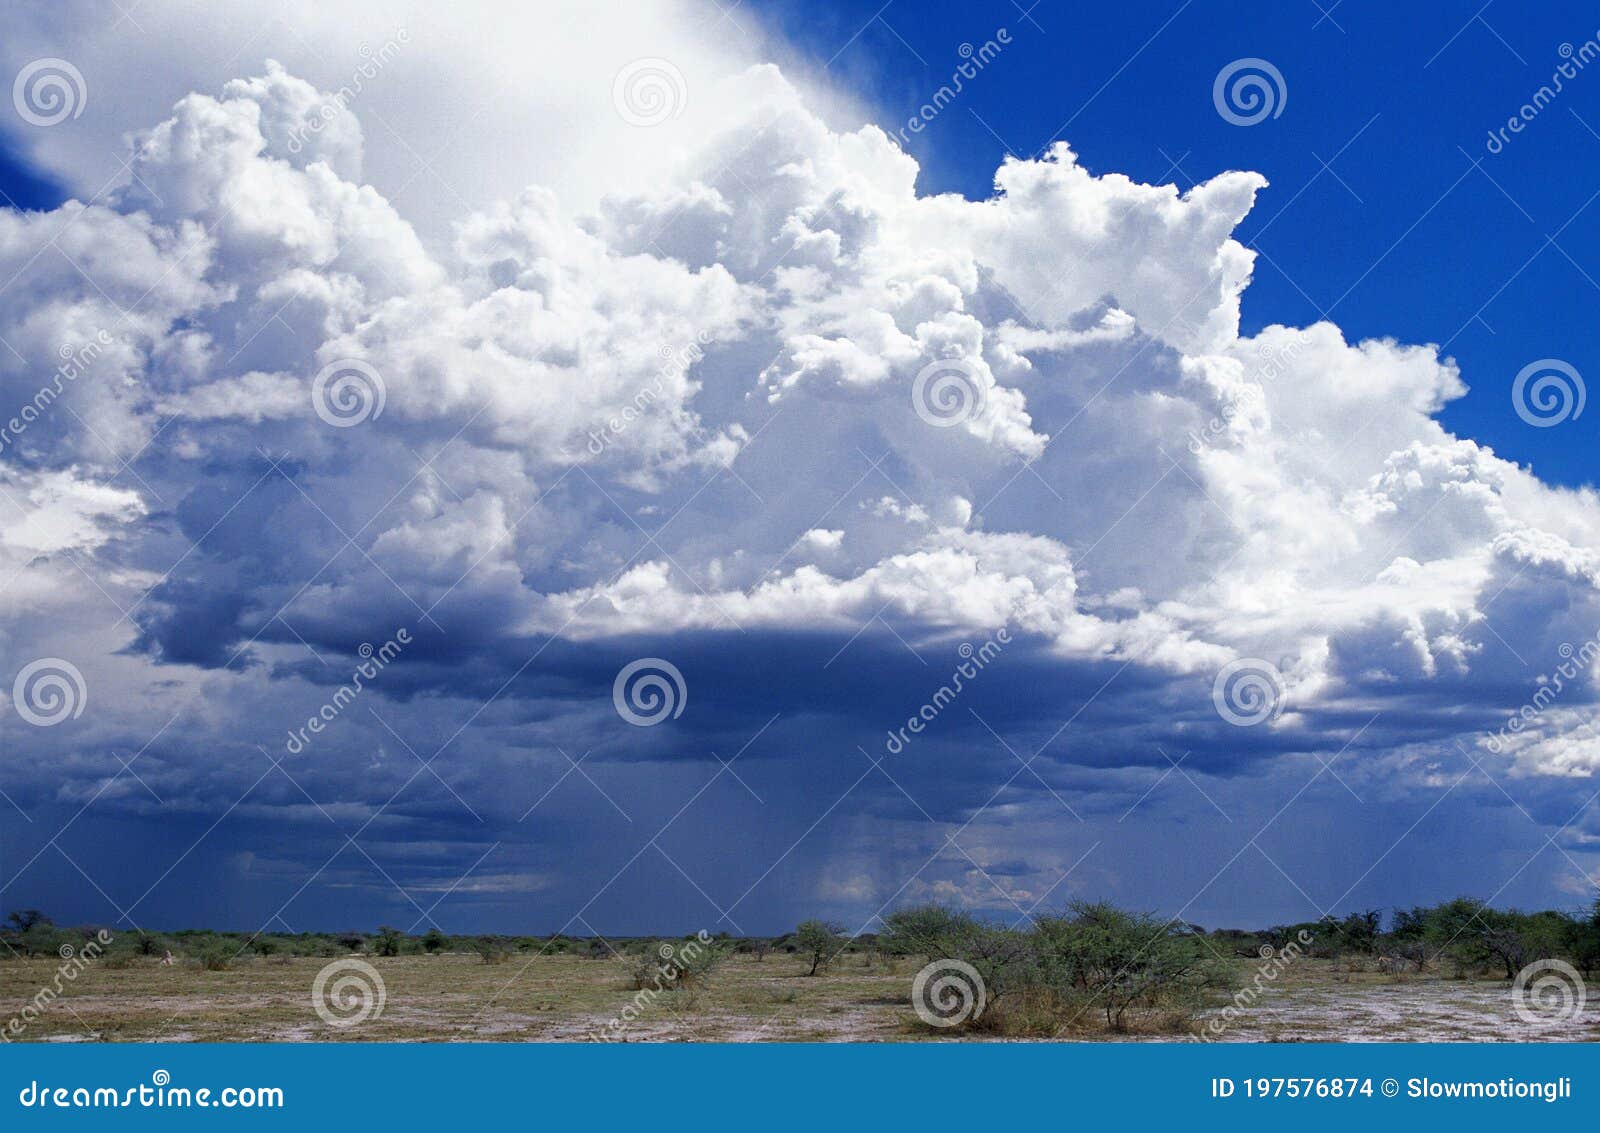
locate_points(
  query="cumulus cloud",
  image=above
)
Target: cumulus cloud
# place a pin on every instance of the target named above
(689, 414)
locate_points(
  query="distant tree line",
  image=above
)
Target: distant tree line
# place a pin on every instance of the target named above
(1091, 963)
(1460, 937)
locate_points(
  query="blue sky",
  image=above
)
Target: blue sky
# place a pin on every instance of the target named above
(339, 378)
(1398, 235)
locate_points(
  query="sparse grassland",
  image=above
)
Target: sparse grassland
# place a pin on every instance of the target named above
(455, 996)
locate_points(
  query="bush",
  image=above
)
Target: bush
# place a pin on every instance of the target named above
(217, 957)
(43, 939)
(1475, 938)
(1032, 1010)
(757, 946)
(933, 932)
(820, 942)
(490, 952)
(1095, 964)
(1129, 963)
(683, 965)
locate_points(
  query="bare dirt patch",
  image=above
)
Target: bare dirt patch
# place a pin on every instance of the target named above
(558, 998)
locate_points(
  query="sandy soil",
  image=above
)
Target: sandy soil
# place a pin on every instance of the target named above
(573, 999)
(1369, 1008)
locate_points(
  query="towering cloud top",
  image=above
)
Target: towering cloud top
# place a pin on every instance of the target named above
(777, 397)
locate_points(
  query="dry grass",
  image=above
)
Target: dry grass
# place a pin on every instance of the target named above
(457, 997)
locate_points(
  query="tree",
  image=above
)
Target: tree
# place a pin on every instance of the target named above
(1123, 960)
(1408, 936)
(41, 938)
(1502, 938)
(1517, 939)
(821, 941)
(1003, 958)
(757, 946)
(389, 939)
(934, 932)
(24, 919)
(435, 941)
(1581, 939)
(1455, 929)
(1358, 932)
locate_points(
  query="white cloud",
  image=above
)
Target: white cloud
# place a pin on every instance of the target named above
(649, 415)
(458, 107)
(58, 511)
(823, 539)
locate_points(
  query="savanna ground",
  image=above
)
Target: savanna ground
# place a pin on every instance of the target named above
(458, 997)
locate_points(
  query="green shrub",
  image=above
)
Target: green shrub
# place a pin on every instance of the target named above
(933, 932)
(819, 942)
(1135, 966)
(216, 957)
(678, 965)
(1095, 965)
(491, 952)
